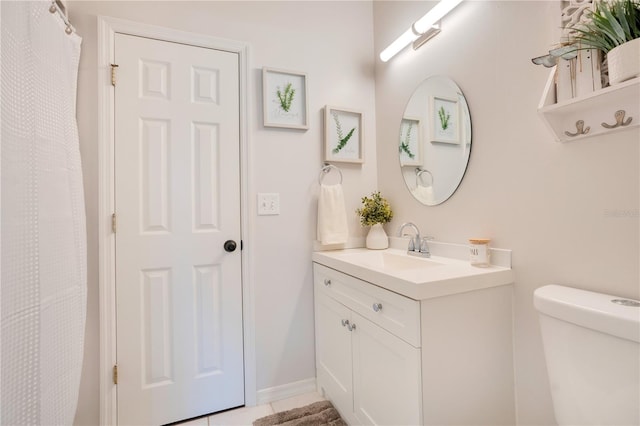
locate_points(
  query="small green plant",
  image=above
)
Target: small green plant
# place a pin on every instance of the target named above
(404, 144)
(374, 210)
(445, 117)
(609, 25)
(287, 97)
(342, 140)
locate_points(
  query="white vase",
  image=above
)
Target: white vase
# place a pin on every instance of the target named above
(376, 238)
(624, 62)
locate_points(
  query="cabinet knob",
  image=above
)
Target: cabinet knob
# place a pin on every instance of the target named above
(377, 307)
(327, 282)
(350, 327)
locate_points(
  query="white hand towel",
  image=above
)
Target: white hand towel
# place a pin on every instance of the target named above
(332, 216)
(424, 193)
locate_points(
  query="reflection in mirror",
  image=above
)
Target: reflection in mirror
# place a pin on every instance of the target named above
(435, 140)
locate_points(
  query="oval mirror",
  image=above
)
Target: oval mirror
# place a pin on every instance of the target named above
(435, 140)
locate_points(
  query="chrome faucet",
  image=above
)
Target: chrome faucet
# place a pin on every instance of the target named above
(417, 246)
(414, 243)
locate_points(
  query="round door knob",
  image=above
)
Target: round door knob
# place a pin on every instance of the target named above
(230, 246)
(327, 282)
(377, 307)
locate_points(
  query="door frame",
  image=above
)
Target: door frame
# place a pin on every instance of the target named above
(107, 28)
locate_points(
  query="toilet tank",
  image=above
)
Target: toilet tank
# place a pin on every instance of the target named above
(592, 349)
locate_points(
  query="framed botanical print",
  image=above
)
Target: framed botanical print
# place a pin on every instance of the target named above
(284, 99)
(343, 140)
(445, 119)
(410, 146)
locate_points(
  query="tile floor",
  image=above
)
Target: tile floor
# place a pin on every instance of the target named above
(246, 415)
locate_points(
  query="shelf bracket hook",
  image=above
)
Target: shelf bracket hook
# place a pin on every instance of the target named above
(620, 121)
(581, 130)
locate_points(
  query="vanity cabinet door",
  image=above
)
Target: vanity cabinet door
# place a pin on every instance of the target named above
(333, 353)
(386, 376)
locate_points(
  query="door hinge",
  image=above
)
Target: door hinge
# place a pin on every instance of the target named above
(114, 223)
(113, 74)
(115, 374)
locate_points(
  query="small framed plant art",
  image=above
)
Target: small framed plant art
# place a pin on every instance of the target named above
(284, 99)
(343, 135)
(409, 146)
(444, 120)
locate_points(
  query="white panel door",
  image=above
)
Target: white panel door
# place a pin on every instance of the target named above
(386, 377)
(177, 198)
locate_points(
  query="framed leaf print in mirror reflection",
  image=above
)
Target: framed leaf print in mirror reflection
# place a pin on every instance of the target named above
(410, 148)
(284, 99)
(444, 120)
(343, 135)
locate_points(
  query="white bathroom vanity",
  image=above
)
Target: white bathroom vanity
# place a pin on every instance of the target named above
(402, 340)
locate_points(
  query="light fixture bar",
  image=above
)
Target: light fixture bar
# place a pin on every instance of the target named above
(420, 28)
(426, 36)
(438, 12)
(399, 44)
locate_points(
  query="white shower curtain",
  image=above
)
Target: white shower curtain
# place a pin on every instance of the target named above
(43, 290)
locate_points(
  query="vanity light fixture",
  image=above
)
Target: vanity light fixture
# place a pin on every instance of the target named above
(421, 31)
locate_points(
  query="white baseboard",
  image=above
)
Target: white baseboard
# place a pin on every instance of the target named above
(285, 391)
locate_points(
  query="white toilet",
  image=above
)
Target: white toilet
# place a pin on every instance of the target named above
(592, 348)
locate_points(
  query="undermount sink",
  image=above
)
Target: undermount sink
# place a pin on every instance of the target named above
(391, 261)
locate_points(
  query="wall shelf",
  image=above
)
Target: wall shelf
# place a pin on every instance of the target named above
(593, 109)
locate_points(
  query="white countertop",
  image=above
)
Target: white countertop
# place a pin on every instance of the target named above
(440, 276)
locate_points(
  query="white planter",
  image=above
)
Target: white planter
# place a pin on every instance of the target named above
(624, 62)
(376, 238)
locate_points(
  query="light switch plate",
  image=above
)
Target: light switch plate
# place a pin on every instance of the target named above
(268, 204)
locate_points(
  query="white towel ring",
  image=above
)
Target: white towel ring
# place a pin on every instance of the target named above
(325, 170)
(419, 172)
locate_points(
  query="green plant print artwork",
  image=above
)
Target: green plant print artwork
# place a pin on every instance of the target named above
(286, 97)
(342, 140)
(445, 117)
(405, 143)
(444, 122)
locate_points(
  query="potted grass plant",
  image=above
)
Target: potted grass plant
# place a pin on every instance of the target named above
(374, 212)
(614, 28)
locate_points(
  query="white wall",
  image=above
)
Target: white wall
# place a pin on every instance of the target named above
(332, 42)
(554, 204)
